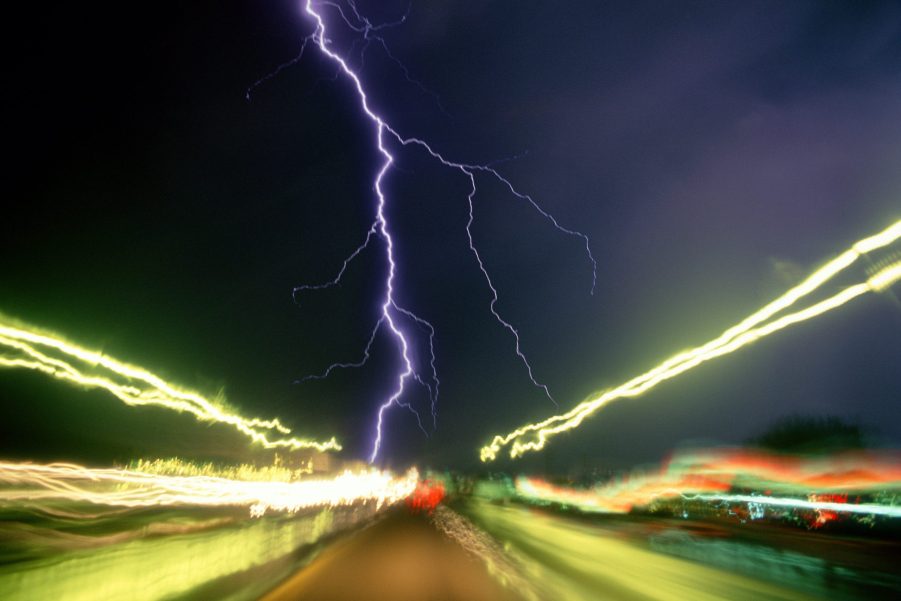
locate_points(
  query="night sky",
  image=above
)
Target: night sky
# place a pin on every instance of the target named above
(714, 152)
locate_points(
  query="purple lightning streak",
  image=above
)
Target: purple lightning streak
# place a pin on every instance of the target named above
(432, 388)
(469, 171)
(348, 365)
(390, 308)
(382, 226)
(548, 216)
(373, 229)
(494, 296)
(363, 26)
(277, 70)
(433, 392)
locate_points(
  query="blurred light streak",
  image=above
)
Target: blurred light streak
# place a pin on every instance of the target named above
(533, 437)
(711, 474)
(26, 348)
(865, 508)
(180, 467)
(39, 483)
(477, 543)
(617, 498)
(187, 556)
(857, 471)
(576, 559)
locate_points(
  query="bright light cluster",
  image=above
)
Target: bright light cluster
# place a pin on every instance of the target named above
(37, 483)
(710, 475)
(533, 437)
(24, 347)
(245, 471)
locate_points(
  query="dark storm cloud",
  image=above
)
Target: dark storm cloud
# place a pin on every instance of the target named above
(697, 142)
(166, 219)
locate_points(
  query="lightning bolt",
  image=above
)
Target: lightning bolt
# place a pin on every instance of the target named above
(533, 437)
(26, 348)
(391, 311)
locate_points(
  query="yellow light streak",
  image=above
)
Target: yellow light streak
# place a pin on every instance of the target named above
(533, 437)
(42, 483)
(277, 472)
(886, 277)
(25, 348)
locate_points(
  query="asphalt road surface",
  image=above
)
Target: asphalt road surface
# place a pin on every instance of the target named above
(402, 557)
(511, 552)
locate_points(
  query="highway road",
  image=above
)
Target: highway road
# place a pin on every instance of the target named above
(469, 550)
(402, 557)
(487, 551)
